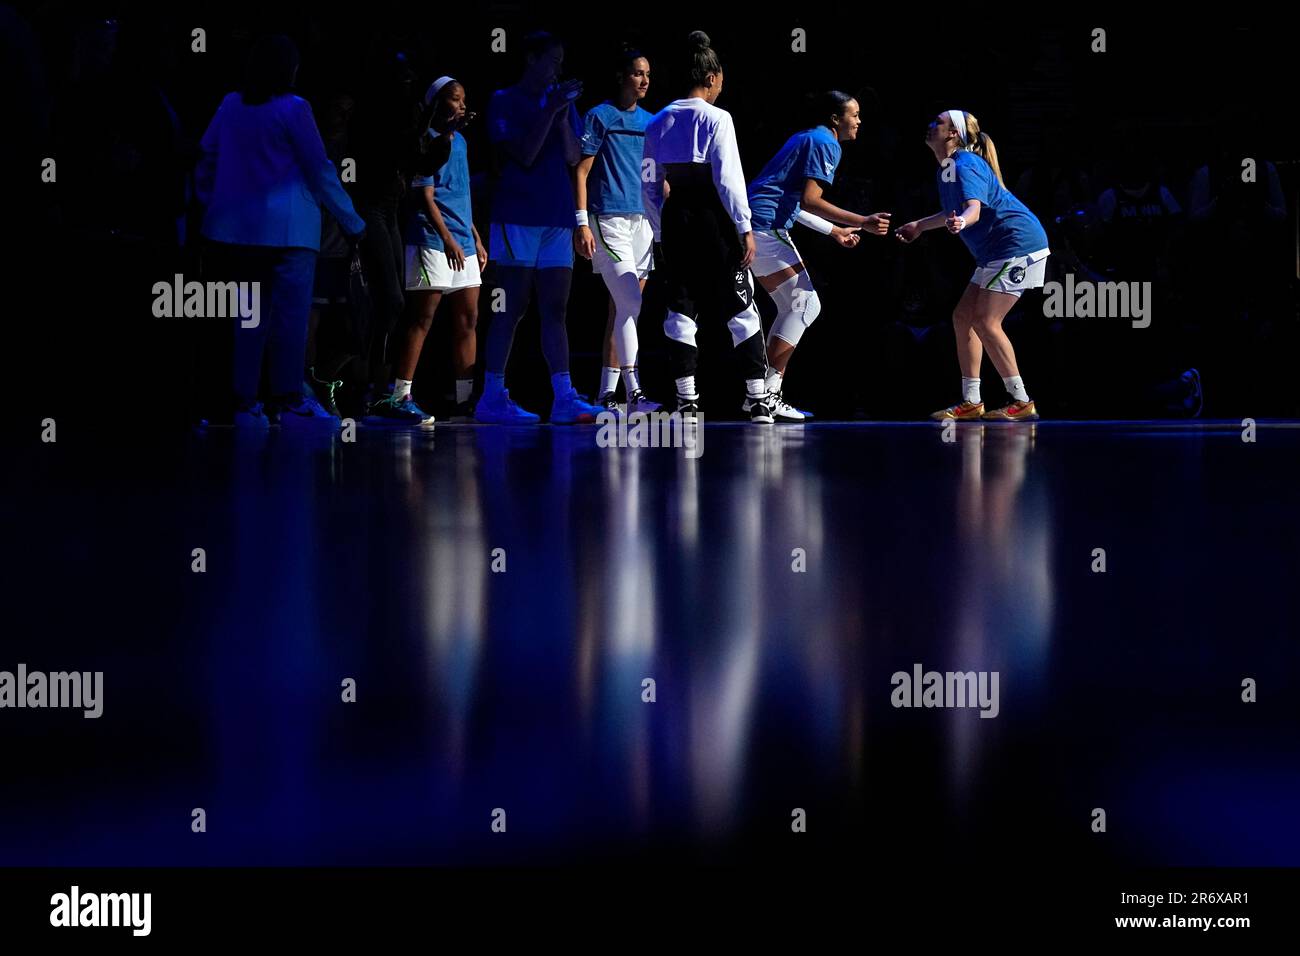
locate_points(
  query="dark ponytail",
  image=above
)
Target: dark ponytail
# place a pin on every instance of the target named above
(820, 107)
(981, 144)
(701, 58)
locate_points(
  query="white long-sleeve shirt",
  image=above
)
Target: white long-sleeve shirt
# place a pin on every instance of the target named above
(694, 131)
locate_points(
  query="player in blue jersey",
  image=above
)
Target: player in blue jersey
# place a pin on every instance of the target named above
(1010, 250)
(788, 190)
(613, 231)
(444, 261)
(534, 130)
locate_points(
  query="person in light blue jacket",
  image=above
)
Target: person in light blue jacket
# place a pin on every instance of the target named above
(263, 177)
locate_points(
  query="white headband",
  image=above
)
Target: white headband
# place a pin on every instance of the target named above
(437, 84)
(958, 119)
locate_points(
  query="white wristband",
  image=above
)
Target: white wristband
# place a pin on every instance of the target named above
(581, 216)
(816, 223)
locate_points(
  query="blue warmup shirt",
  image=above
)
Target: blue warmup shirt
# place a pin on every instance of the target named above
(451, 193)
(616, 138)
(540, 194)
(1006, 228)
(774, 195)
(264, 176)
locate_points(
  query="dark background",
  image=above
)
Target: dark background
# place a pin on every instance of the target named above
(122, 109)
(221, 690)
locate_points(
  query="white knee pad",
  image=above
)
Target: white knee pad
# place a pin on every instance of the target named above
(625, 290)
(680, 328)
(797, 305)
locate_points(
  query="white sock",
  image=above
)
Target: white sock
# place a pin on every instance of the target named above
(631, 380)
(970, 390)
(608, 380)
(560, 384)
(686, 388)
(756, 388)
(401, 388)
(464, 388)
(1016, 388)
(774, 379)
(494, 383)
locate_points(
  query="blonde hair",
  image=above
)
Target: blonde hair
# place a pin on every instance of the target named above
(981, 144)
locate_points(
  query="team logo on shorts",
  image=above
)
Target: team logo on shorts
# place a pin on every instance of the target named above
(1017, 275)
(743, 288)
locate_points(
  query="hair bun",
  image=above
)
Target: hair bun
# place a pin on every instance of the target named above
(700, 40)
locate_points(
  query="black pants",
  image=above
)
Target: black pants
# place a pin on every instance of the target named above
(279, 329)
(382, 254)
(699, 263)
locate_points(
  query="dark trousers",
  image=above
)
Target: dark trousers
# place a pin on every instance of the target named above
(382, 255)
(278, 329)
(701, 269)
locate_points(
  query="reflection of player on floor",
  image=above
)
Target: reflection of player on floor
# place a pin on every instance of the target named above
(1010, 249)
(704, 225)
(618, 241)
(789, 190)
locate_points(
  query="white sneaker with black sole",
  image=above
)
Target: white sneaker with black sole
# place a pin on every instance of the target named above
(760, 412)
(782, 411)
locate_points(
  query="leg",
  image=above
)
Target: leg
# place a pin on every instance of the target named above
(290, 305)
(746, 327)
(569, 407)
(991, 308)
(679, 329)
(241, 264)
(515, 250)
(988, 310)
(611, 354)
(781, 347)
(323, 363)
(969, 350)
(782, 273)
(778, 353)
(382, 249)
(726, 288)
(631, 369)
(797, 305)
(625, 254)
(678, 265)
(609, 372)
(464, 332)
(408, 342)
(683, 355)
(515, 283)
(553, 286)
(464, 337)
(420, 311)
(313, 324)
(626, 289)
